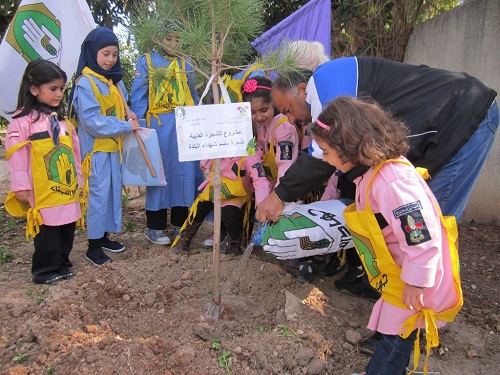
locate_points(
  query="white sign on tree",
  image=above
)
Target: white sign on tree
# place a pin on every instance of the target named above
(213, 131)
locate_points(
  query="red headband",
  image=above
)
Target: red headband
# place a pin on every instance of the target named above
(251, 85)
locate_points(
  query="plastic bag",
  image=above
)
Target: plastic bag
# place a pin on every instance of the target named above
(135, 170)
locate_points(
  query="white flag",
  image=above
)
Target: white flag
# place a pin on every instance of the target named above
(48, 29)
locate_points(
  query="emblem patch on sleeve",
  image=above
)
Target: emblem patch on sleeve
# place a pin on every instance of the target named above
(286, 150)
(412, 223)
(260, 169)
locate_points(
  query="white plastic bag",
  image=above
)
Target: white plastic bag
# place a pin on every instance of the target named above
(135, 171)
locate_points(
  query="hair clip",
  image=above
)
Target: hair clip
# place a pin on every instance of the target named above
(322, 124)
(251, 85)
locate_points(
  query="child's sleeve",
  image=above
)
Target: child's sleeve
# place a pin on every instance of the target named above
(19, 162)
(286, 140)
(261, 185)
(76, 154)
(139, 94)
(331, 191)
(416, 239)
(90, 116)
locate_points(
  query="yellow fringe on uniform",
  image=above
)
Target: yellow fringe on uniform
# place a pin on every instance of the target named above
(34, 220)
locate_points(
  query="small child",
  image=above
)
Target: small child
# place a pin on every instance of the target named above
(45, 171)
(276, 137)
(240, 177)
(406, 245)
(99, 107)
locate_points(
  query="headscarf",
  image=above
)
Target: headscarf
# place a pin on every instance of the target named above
(96, 40)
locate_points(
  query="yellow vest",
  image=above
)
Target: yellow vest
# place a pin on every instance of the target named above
(111, 105)
(168, 93)
(234, 85)
(231, 191)
(384, 274)
(54, 179)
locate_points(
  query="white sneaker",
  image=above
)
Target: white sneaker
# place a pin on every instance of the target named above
(158, 237)
(209, 242)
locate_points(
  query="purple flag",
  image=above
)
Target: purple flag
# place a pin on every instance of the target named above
(312, 22)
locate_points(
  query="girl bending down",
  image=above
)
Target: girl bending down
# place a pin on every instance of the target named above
(406, 246)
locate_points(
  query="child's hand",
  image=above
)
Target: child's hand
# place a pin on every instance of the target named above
(132, 116)
(413, 297)
(22, 195)
(205, 171)
(135, 125)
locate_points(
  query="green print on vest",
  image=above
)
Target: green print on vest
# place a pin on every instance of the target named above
(365, 249)
(60, 166)
(224, 191)
(167, 90)
(111, 111)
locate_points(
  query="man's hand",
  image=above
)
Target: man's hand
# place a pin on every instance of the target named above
(269, 209)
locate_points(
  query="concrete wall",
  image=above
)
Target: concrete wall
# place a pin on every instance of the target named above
(467, 39)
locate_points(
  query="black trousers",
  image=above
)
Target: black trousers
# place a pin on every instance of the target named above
(157, 220)
(52, 248)
(231, 217)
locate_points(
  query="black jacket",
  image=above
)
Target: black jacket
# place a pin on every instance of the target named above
(442, 109)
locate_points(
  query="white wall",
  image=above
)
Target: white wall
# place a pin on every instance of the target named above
(467, 39)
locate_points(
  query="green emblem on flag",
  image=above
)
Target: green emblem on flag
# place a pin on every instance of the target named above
(35, 33)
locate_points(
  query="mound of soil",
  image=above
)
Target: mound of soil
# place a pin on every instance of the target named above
(146, 313)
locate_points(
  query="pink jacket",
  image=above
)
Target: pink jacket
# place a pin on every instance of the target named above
(253, 175)
(19, 164)
(395, 190)
(331, 191)
(284, 135)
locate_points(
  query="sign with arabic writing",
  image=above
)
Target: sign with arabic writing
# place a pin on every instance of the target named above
(213, 131)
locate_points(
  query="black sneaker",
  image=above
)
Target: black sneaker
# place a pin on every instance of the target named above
(113, 246)
(306, 271)
(334, 264)
(47, 280)
(96, 256)
(368, 346)
(351, 276)
(66, 274)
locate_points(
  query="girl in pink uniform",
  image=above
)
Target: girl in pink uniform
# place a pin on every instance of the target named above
(276, 137)
(240, 178)
(406, 245)
(43, 155)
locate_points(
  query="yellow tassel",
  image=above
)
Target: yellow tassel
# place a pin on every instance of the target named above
(431, 332)
(34, 220)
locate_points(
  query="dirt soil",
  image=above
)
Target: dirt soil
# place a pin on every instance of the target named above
(145, 313)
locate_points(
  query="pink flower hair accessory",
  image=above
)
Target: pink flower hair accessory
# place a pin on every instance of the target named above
(251, 85)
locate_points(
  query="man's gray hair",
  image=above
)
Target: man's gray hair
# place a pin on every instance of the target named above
(289, 80)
